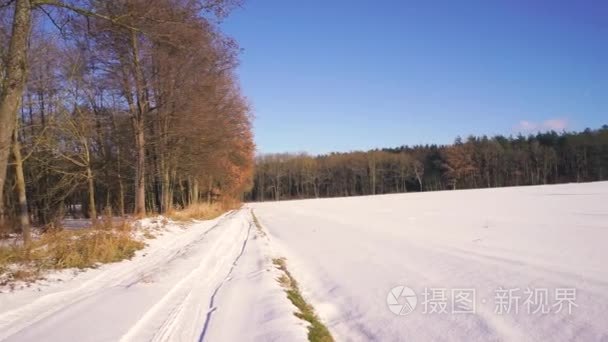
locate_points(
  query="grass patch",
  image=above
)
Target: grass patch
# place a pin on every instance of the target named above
(5, 230)
(201, 211)
(317, 331)
(84, 249)
(60, 249)
(148, 235)
(257, 224)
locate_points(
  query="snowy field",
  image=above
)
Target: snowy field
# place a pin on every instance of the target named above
(510, 264)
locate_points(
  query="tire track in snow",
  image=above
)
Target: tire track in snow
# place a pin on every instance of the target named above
(15, 321)
(180, 313)
(179, 252)
(212, 306)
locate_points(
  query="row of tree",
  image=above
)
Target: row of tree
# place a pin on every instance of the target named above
(544, 158)
(118, 106)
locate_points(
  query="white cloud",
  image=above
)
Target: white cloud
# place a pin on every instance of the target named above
(557, 124)
(526, 126)
(553, 124)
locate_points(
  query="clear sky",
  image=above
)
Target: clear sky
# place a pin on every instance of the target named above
(339, 75)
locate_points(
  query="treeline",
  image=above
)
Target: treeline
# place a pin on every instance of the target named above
(118, 106)
(478, 162)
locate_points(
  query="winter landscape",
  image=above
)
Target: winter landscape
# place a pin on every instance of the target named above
(322, 171)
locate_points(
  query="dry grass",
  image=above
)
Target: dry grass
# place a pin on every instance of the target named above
(60, 249)
(257, 224)
(8, 228)
(4, 231)
(84, 248)
(202, 211)
(148, 235)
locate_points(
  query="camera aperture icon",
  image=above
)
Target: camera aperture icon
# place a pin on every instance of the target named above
(401, 300)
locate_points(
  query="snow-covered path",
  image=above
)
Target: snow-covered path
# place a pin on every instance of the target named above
(209, 281)
(348, 253)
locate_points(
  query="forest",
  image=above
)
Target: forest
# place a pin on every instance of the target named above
(132, 107)
(477, 162)
(118, 107)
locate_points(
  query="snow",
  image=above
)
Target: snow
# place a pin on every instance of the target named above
(215, 280)
(348, 253)
(186, 285)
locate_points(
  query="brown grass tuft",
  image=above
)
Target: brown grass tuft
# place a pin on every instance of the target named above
(201, 211)
(85, 248)
(59, 249)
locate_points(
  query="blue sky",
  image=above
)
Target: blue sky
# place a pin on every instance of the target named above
(353, 75)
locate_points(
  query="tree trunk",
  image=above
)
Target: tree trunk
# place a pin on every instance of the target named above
(2, 219)
(13, 85)
(142, 107)
(195, 192)
(140, 183)
(121, 189)
(209, 191)
(277, 188)
(121, 197)
(108, 208)
(261, 187)
(91, 185)
(373, 172)
(166, 189)
(24, 217)
(419, 182)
